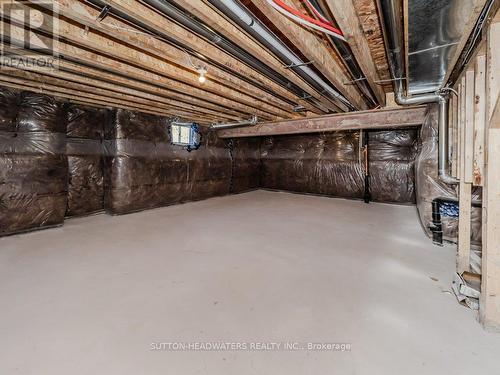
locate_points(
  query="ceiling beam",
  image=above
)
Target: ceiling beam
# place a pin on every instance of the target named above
(373, 119)
(346, 17)
(119, 83)
(75, 97)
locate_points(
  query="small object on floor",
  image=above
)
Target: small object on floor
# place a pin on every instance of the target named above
(467, 292)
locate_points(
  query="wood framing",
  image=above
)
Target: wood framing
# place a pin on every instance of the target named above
(489, 310)
(374, 119)
(465, 186)
(314, 50)
(349, 23)
(479, 119)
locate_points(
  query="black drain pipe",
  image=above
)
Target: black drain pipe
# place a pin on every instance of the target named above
(436, 225)
(367, 194)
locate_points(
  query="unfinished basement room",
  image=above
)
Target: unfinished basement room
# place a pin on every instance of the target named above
(249, 187)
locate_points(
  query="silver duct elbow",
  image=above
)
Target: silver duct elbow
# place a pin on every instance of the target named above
(443, 141)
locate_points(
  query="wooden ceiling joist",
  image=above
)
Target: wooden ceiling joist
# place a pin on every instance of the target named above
(215, 20)
(373, 119)
(63, 81)
(156, 21)
(138, 55)
(82, 99)
(315, 50)
(177, 57)
(98, 60)
(99, 78)
(348, 21)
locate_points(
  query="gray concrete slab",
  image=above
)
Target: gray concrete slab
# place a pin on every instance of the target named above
(261, 267)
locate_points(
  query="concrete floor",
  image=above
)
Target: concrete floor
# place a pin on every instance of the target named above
(261, 267)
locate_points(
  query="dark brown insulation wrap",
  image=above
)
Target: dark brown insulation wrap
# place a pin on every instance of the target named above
(144, 170)
(392, 165)
(331, 164)
(246, 164)
(209, 167)
(33, 165)
(85, 151)
(326, 164)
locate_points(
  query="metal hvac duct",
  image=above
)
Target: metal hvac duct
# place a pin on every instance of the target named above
(245, 19)
(392, 28)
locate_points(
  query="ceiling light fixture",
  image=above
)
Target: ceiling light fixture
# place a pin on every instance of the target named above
(203, 75)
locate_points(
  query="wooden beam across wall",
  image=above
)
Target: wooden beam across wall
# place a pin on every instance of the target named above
(374, 119)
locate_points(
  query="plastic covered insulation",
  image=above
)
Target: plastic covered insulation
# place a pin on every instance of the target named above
(246, 164)
(429, 186)
(33, 164)
(144, 170)
(332, 164)
(85, 134)
(392, 156)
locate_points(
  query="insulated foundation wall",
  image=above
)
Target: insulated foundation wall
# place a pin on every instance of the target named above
(144, 170)
(392, 165)
(332, 164)
(33, 164)
(85, 133)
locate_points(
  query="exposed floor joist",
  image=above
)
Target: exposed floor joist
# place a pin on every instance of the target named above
(212, 18)
(153, 59)
(80, 55)
(115, 29)
(314, 50)
(373, 119)
(347, 19)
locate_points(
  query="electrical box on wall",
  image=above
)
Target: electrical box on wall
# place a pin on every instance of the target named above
(185, 134)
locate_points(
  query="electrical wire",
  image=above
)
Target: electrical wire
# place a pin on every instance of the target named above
(294, 14)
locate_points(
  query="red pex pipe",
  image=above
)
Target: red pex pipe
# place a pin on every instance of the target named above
(316, 13)
(328, 26)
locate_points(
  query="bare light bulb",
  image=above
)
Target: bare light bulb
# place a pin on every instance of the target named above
(202, 78)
